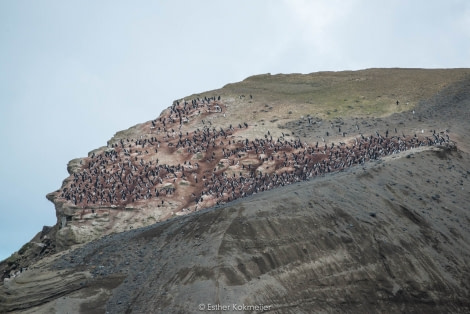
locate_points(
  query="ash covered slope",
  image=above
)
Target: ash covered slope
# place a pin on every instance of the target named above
(290, 108)
(391, 236)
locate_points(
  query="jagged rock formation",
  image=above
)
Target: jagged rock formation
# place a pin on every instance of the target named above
(342, 237)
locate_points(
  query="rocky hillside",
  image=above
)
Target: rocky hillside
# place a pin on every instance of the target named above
(328, 191)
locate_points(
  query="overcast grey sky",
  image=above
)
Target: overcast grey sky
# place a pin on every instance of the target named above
(73, 73)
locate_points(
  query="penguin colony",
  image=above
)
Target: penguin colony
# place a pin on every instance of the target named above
(213, 165)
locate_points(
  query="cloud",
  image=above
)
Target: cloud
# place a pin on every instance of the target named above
(315, 20)
(340, 35)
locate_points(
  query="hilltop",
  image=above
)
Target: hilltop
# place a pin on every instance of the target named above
(296, 191)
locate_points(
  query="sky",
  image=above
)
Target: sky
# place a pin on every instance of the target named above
(73, 73)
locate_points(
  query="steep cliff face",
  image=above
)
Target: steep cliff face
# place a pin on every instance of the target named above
(299, 191)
